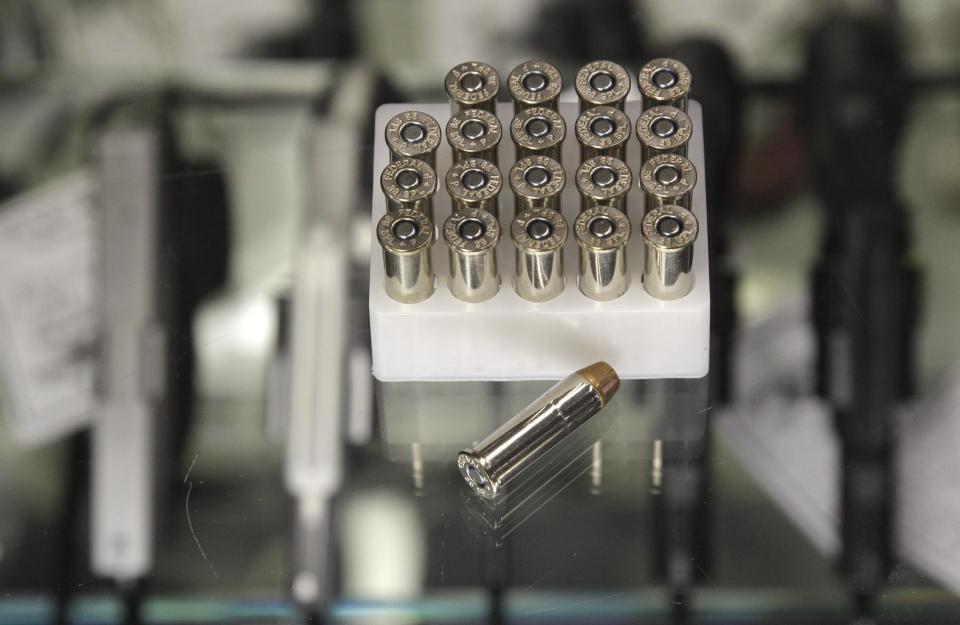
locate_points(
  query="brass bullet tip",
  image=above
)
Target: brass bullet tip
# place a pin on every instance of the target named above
(603, 378)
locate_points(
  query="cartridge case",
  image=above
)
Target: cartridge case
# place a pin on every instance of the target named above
(538, 131)
(669, 233)
(664, 82)
(604, 181)
(413, 134)
(534, 83)
(663, 130)
(474, 133)
(537, 182)
(667, 179)
(602, 234)
(472, 85)
(603, 131)
(405, 236)
(409, 183)
(471, 236)
(602, 83)
(490, 466)
(538, 236)
(474, 183)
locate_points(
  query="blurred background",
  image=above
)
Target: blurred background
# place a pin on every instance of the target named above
(168, 169)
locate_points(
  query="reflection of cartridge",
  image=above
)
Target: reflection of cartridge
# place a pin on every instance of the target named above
(537, 182)
(472, 85)
(538, 235)
(409, 183)
(663, 129)
(602, 83)
(413, 134)
(474, 183)
(538, 131)
(534, 83)
(472, 236)
(602, 234)
(604, 181)
(493, 463)
(669, 233)
(405, 236)
(603, 131)
(667, 179)
(664, 82)
(474, 133)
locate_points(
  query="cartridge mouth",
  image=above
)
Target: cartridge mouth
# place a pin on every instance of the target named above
(603, 379)
(476, 475)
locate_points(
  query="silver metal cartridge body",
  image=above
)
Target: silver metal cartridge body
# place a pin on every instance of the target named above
(667, 179)
(538, 236)
(538, 131)
(669, 233)
(602, 83)
(603, 131)
(604, 181)
(489, 466)
(663, 129)
(413, 134)
(472, 236)
(602, 233)
(405, 235)
(534, 83)
(409, 183)
(664, 82)
(472, 85)
(537, 182)
(474, 183)
(474, 133)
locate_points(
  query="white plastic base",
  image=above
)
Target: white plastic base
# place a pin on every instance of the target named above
(508, 338)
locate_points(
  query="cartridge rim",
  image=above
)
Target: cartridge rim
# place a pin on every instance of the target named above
(585, 233)
(426, 181)
(649, 137)
(392, 241)
(521, 93)
(477, 475)
(487, 238)
(589, 187)
(585, 128)
(489, 83)
(463, 143)
(652, 227)
(520, 230)
(552, 137)
(523, 188)
(647, 80)
(460, 191)
(397, 142)
(653, 181)
(585, 83)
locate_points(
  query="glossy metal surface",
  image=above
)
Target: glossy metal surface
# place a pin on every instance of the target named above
(490, 465)
(602, 83)
(409, 183)
(537, 181)
(604, 181)
(474, 183)
(474, 133)
(405, 235)
(538, 236)
(538, 131)
(472, 85)
(664, 82)
(413, 134)
(663, 129)
(603, 131)
(667, 179)
(534, 83)
(669, 233)
(602, 234)
(472, 236)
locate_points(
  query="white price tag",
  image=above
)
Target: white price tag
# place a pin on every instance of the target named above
(47, 308)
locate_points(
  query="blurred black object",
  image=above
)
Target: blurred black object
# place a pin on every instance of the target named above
(855, 99)
(577, 32)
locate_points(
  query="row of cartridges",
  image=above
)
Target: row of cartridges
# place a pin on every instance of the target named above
(537, 178)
